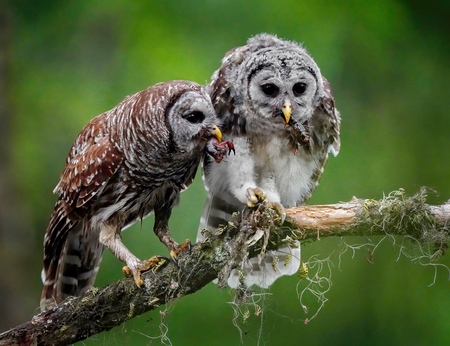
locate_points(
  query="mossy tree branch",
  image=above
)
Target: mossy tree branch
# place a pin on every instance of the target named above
(112, 305)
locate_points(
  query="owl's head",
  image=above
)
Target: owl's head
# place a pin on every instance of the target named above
(190, 118)
(169, 118)
(278, 80)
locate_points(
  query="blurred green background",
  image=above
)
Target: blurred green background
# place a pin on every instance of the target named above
(64, 62)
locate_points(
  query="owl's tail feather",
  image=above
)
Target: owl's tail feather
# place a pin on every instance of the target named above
(74, 271)
(285, 261)
(218, 211)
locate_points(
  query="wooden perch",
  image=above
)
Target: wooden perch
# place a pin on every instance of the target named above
(102, 309)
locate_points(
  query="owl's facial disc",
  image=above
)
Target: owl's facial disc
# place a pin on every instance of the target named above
(265, 91)
(206, 131)
(285, 91)
(192, 121)
(302, 92)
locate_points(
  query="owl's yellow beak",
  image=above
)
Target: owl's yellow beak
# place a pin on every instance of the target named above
(287, 110)
(215, 131)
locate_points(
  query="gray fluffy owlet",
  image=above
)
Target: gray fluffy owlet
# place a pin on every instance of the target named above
(279, 111)
(125, 163)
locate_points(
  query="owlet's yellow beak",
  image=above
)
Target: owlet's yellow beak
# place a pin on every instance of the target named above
(215, 131)
(287, 110)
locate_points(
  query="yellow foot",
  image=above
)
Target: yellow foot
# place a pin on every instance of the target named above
(136, 270)
(178, 249)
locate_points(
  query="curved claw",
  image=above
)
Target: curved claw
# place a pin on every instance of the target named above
(255, 195)
(178, 249)
(135, 269)
(230, 147)
(219, 150)
(278, 207)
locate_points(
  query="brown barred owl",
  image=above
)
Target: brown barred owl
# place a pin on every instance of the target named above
(279, 111)
(125, 163)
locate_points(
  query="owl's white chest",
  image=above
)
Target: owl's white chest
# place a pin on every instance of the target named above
(279, 169)
(270, 163)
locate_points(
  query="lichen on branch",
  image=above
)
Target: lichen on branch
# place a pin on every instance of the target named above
(395, 214)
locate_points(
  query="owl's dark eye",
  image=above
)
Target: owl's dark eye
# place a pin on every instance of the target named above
(299, 88)
(270, 89)
(194, 117)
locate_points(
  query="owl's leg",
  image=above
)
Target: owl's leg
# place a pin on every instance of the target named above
(272, 200)
(110, 237)
(161, 229)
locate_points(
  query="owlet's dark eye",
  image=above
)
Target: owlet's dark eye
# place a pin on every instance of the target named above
(270, 89)
(194, 117)
(299, 88)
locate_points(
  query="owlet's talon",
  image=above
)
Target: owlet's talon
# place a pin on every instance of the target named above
(278, 207)
(255, 195)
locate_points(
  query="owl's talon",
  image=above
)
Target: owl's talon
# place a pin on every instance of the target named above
(127, 271)
(178, 249)
(278, 207)
(154, 262)
(255, 195)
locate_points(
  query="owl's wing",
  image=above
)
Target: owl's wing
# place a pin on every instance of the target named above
(218, 210)
(326, 122)
(325, 135)
(92, 161)
(221, 92)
